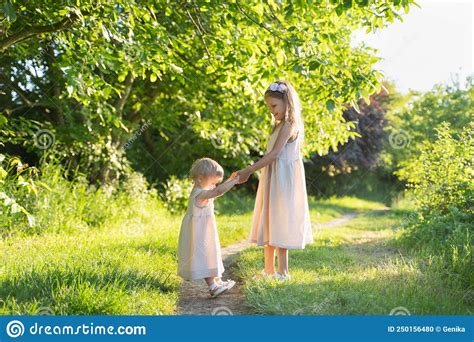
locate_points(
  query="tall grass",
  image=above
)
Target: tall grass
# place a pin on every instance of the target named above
(95, 250)
(354, 269)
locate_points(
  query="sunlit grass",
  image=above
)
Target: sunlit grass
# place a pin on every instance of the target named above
(354, 269)
(126, 265)
(323, 210)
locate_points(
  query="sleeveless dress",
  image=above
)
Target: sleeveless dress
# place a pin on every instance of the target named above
(199, 250)
(281, 213)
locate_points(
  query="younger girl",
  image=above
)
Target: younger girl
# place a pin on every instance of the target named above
(281, 215)
(199, 250)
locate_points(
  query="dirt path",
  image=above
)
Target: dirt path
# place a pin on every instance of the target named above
(336, 222)
(194, 296)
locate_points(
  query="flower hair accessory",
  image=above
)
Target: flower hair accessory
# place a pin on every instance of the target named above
(280, 87)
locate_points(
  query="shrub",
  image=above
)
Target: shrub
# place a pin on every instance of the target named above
(51, 199)
(442, 182)
(176, 194)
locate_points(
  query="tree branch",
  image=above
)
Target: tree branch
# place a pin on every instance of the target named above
(45, 108)
(120, 104)
(261, 25)
(38, 29)
(17, 89)
(200, 35)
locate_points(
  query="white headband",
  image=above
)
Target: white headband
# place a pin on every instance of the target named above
(280, 87)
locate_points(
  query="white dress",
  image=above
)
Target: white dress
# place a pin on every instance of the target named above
(199, 250)
(281, 213)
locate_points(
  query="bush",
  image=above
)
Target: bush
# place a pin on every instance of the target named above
(414, 122)
(442, 182)
(442, 175)
(53, 200)
(176, 194)
(16, 184)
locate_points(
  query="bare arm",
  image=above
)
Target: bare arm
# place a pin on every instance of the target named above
(283, 136)
(218, 191)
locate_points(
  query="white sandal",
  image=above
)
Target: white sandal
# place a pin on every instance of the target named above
(229, 283)
(262, 274)
(218, 290)
(282, 277)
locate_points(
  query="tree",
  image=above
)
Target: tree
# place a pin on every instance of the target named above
(93, 72)
(415, 123)
(336, 172)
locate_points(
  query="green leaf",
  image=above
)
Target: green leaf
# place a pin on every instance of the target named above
(259, 9)
(9, 11)
(330, 105)
(176, 68)
(280, 57)
(355, 106)
(314, 65)
(3, 120)
(122, 76)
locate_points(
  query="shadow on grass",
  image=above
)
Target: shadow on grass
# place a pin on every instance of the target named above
(76, 291)
(366, 276)
(234, 202)
(154, 248)
(350, 296)
(329, 281)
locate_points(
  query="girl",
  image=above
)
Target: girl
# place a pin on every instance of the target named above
(281, 214)
(199, 250)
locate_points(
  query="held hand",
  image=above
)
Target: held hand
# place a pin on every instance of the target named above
(244, 176)
(233, 176)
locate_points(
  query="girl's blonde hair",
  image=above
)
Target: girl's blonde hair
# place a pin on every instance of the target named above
(206, 167)
(287, 93)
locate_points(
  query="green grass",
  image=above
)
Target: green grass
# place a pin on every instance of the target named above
(324, 210)
(124, 264)
(126, 267)
(354, 269)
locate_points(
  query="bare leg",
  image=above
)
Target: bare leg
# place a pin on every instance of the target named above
(269, 256)
(283, 261)
(211, 280)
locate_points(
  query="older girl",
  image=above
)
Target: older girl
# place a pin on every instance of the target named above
(281, 215)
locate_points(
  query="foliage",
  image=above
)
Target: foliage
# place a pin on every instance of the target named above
(414, 120)
(176, 194)
(16, 180)
(92, 72)
(441, 179)
(53, 200)
(346, 170)
(362, 152)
